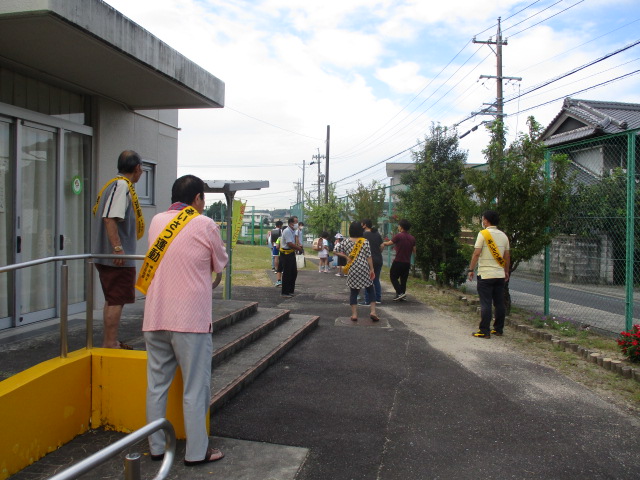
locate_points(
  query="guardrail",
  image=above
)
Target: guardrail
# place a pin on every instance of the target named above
(132, 461)
(64, 290)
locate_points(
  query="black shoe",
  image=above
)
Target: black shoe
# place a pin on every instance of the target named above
(362, 303)
(495, 332)
(479, 334)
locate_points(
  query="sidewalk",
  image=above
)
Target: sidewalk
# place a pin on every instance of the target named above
(413, 397)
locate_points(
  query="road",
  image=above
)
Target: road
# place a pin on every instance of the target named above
(601, 307)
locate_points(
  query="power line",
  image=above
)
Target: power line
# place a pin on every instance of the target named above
(635, 72)
(340, 155)
(581, 45)
(571, 72)
(544, 20)
(378, 163)
(535, 14)
(273, 125)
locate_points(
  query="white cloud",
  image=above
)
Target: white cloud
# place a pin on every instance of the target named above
(403, 77)
(356, 65)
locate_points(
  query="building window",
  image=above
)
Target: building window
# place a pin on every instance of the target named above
(146, 186)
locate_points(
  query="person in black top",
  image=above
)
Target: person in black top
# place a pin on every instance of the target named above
(273, 236)
(375, 241)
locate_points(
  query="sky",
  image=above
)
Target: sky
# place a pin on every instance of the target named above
(379, 73)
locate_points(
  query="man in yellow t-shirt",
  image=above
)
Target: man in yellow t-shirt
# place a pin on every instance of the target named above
(493, 272)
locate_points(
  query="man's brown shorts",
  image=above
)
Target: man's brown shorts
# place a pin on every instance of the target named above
(117, 284)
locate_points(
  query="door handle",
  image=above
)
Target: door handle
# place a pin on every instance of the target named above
(18, 244)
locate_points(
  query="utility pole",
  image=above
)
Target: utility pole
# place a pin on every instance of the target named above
(326, 169)
(499, 111)
(317, 159)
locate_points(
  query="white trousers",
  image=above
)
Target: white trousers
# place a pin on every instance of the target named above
(192, 352)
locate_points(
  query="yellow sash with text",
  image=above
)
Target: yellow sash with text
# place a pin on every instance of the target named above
(134, 200)
(156, 253)
(354, 254)
(493, 248)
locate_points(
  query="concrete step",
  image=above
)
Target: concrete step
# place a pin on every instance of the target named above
(241, 333)
(238, 370)
(228, 312)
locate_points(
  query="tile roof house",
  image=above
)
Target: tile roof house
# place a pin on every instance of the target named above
(588, 120)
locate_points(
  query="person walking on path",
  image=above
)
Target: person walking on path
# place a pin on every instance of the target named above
(185, 248)
(274, 235)
(288, 247)
(118, 223)
(492, 257)
(360, 273)
(405, 246)
(340, 261)
(323, 254)
(375, 242)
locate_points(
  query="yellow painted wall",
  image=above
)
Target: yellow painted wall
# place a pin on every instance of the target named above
(119, 390)
(43, 408)
(48, 405)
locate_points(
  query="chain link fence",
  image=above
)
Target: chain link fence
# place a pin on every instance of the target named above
(587, 274)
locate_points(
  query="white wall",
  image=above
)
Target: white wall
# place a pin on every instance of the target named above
(151, 133)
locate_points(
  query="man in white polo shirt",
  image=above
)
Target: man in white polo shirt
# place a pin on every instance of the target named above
(491, 255)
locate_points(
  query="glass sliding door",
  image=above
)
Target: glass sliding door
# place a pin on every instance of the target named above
(75, 198)
(6, 224)
(37, 163)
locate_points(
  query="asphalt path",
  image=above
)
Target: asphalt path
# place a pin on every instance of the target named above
(417, 397)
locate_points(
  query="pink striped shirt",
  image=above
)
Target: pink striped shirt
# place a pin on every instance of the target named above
(179, 298)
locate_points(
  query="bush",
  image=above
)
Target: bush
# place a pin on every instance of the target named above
(629, 343)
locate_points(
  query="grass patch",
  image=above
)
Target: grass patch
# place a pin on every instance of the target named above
(252, 266)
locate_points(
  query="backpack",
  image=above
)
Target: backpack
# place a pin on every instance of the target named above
(317, 244)
(275, 234)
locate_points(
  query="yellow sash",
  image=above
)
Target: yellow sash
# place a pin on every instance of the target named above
(134, 200)
(156, 252)
(287, 252)
(354, 254)
(493, 248)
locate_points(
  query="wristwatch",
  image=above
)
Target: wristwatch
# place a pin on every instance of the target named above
(117, 248)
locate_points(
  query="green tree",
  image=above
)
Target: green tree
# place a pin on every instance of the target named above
(216, 211)
(516, 186)
(600, 208)
(431, 202)
(320, 216)
(367, 202)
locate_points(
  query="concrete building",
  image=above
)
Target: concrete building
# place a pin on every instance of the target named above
(79, 83)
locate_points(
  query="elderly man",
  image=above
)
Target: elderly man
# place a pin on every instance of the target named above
(491, 255)
(119, 224)
(185, 248)
(288, 247)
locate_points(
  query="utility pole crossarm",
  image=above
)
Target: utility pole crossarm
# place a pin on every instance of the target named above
(498, 42)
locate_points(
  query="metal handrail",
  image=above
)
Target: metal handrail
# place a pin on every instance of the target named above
(98, 458)
(64, 290)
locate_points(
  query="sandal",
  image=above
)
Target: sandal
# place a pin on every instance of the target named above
(374, 318)
(124, 346)
(212, 455)
(354, 319)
